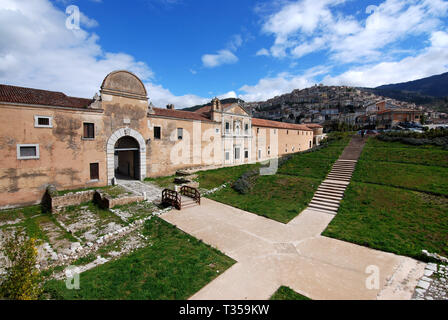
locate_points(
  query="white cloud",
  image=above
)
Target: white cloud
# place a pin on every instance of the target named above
(262, 52)
(224, 56)
(432, 60)
(308, 26)
(230, 94)
(161, 96)
(38, 51)
(284, 82)
(220, 58)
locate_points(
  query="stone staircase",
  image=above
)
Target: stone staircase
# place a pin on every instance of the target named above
(331, 191)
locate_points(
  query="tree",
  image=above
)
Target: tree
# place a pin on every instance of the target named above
(22, 280)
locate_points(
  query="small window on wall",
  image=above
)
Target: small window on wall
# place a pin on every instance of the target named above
(94, 171)
(246, 154)
(259, 154)
(89, 131)
(180, 133)
(258, 130)
(287, 131)
(227, 127)
(246, 128)
(227, 155)
(27, 151)
(269, 150)
(43, 122)
(157, 133)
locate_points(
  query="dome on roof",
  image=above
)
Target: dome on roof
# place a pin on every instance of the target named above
(124, 83)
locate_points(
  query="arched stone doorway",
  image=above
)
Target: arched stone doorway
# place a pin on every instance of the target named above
(126, 155)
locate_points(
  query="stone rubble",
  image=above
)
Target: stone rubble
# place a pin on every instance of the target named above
(434, 283)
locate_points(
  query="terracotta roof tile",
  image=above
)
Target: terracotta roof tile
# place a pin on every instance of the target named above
(179, 114)
(276, 124)
(13, 94)
(313, 125)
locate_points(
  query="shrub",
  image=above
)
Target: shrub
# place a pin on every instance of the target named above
(246, 182)
(22, 280)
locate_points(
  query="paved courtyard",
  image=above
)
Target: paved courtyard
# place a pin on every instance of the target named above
(270, 254)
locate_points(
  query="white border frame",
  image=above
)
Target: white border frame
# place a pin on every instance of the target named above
(19, 157)
(36, 122)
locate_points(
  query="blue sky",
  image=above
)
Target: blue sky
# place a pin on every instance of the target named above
(186, 52)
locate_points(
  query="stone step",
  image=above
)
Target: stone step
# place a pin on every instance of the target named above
(328, 195)
(333, 212)
(338, 177)
(328, 205)
(333, 184)
(341, 170)
(325, 199)
(330, 190)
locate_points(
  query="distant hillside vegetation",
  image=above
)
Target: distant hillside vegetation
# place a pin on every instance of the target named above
(435, 86)
(431, 91)
(223, 101)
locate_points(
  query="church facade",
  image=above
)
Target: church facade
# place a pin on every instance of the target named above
(47, 138)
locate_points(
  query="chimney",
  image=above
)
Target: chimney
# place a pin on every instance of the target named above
(170, 106)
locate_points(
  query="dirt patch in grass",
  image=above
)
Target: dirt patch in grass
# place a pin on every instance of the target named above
(173, 265)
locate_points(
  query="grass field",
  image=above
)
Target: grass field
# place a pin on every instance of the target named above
(174, 265)
(278, 197)
(283, 196)
(208, 179)
(396, 202)
(286, 293)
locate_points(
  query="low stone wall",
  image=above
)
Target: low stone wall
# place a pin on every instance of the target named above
(105, 201)
(52, 202)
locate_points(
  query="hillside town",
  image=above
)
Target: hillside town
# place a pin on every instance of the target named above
(356, 107)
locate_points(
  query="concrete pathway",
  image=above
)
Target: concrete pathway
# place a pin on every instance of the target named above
(270, 254)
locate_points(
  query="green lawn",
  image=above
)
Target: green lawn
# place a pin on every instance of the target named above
(432, 179)
(283, 196)
(396, 202)
(208, 179)
(377, 150)
(30, 220)
(278, 197)
(391, 219)
(174, 265)
(286, 293)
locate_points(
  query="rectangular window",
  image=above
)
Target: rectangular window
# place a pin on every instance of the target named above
(157, 133)
(89, 130)
(27, 151)
(217, 130)
(180, 133)
(43, 122)
(287, 131)
(237, 153)
(246, 128)
(227, 155)
(259, 154)
(269, 150)
(227, 127)
(246, 154)
(94, 171)
(258, 130)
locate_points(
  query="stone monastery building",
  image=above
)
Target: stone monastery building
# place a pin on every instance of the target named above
(47, 138)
